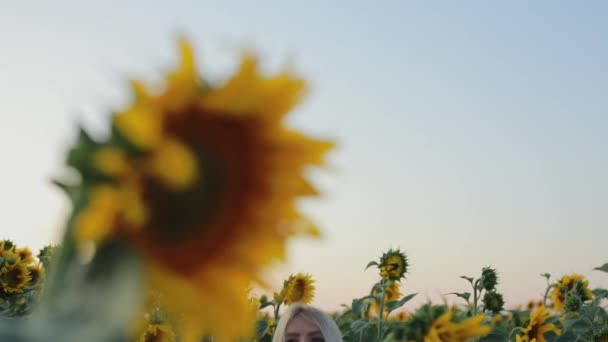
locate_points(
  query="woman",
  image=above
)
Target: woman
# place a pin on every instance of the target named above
(302, 323)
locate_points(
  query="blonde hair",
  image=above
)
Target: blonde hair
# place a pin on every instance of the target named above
(328, 327)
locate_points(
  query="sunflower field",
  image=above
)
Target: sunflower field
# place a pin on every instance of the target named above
(168, 215)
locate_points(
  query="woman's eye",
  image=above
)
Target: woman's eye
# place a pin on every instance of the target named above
(318, 339)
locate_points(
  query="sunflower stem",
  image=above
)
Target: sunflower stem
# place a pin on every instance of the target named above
(381, 313)
(61, 265)
(475, 296)
(276, 311)
(549, 287)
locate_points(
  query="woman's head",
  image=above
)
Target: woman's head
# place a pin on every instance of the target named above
(301, 323)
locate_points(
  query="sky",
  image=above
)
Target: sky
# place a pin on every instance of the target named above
(469, 133)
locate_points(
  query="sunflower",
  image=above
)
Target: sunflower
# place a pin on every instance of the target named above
(203, 181)
(36, 272)
(537, 327)
(6, 246)
(392, 292)
(401, 316)
(25, 254)
(444, 329)
(14, 277)
(496, 319)
(393, 265)
(299, 289)
(574, 284)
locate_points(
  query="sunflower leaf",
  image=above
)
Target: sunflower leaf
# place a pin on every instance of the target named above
(392, 305)
(370, 264)
(463, 295)
(261, 328)
(469, 279)
(603, 268)
(358, 326)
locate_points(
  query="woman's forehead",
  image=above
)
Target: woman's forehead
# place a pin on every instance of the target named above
(300, 323)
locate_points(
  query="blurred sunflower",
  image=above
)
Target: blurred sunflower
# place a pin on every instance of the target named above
(299, 289)
(574, 284)
(537, 327)
(393, 265)
(14, 276)
(401, 316)
(445, 329)
(203, 181)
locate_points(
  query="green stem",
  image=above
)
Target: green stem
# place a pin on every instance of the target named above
(381, 314)
(276, 312)
(62, 263)
(549, 287)
(475, 296)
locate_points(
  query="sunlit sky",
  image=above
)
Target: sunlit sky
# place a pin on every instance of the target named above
(470, 133)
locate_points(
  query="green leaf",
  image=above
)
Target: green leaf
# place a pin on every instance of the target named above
(463, 295)
(80, 154)
(498, 334)
(267, 304)
(370, 264)
(576, 325)
(261, 328)
(469, 279)
(603, 268)
(545, 275)
(395, 304)
(360, 306)
(73, 191)
(359, 325)
(599, 295)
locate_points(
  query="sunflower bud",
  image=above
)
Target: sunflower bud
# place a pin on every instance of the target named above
(489, 278)
(263, 299)
(573, 302)
(493, 301)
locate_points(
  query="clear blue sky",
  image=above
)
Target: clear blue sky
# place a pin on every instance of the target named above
(470, 133)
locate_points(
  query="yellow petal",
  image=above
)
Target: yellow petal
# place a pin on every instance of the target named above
(175, 164)
(141, 125)
(111, 161)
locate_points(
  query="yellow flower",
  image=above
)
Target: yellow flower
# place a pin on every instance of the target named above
(443, 329)
(496, 319)
(158, 333)
(391, 293)
(25, 254)
(567, 284)
(6, 246)
(111, 161)
(537, 327)
(300, 289)
(14, 276)
(393, 265)
(203, 183)
(401, 316)
(36, 272)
